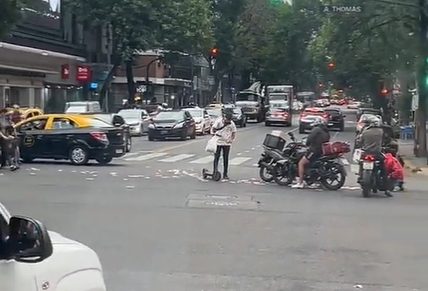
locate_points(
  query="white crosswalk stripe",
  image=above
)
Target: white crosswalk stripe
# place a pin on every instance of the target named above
(176, 158)
(239, 160)
(146, 157)
(204, 160)
(164, 157)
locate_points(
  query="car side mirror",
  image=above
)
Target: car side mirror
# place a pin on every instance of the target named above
(28, 240)
(290, 134)
(117, 124)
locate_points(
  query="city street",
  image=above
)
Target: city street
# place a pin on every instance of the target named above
(158, 226)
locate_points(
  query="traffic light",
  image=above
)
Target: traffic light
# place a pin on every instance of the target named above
(214, 52)
(320, 85)
(331, 65)
(384, 91)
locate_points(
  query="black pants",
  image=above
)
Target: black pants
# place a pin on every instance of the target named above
(226, 151)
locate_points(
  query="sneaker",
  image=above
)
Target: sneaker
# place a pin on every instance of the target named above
(225, 177)
(298, 186)
(388, 194)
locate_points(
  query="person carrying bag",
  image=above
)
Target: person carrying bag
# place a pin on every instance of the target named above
(224, 133)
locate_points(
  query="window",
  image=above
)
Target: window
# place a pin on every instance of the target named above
(63, 123)
(98, 123)
(35, 124)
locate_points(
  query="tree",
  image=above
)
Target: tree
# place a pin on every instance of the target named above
(138, 25)
(10, 14)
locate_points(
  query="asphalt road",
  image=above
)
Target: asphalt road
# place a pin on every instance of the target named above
(158, 226)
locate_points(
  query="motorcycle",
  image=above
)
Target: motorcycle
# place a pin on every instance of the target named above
(324, 171)
(371, 174)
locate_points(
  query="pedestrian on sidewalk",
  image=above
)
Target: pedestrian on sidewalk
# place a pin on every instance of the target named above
(225, 129)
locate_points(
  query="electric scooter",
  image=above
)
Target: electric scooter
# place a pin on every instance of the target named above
(215, 175)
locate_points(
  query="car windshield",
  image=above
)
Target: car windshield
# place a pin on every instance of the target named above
(95, 122)
(170, 115)
(131, 114)
(195, 112)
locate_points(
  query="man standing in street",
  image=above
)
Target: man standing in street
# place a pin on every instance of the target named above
(225, 129)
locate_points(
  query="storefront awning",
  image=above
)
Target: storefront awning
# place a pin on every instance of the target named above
(16, 68)
(30, 50)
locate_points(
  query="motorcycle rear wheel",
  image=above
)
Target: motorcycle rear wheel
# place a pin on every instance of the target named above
(366, 187)
(339, 170)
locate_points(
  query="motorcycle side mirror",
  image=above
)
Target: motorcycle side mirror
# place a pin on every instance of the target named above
(290, 134)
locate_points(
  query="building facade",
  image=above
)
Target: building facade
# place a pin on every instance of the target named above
(43, 60)
(177, 84)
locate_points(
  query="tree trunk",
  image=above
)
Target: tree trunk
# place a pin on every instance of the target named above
(130, 81)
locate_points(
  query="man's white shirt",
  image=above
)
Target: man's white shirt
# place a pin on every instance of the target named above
(226, 133)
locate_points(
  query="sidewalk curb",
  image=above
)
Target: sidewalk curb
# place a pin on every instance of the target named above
(408, 165)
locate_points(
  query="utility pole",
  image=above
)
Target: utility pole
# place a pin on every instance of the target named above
(420, 130)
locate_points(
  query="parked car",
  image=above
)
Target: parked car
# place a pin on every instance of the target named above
(336, 118)
(137, 119)
(171, 124)
(214, 113)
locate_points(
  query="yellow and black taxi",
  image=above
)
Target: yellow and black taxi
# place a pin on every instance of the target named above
(278, 113)
(27, 112)
(115, 120)
(170, 124)
(77, 138)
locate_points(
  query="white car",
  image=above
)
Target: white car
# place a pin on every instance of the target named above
(33, 258)
(354, 105)
(137, 119)
(202, 119)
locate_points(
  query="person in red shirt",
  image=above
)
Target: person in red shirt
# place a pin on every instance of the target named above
(395, 171)
(16, 115)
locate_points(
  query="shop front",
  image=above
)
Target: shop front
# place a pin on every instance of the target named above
(34, 77)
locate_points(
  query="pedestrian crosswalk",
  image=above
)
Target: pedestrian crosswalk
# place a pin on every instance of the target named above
(164, 157)
(192, 159)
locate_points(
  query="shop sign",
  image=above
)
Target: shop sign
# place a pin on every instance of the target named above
(83, 73)
(65, 71)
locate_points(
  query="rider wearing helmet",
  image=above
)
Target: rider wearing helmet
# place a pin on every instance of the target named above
(318, 135)
(371, 143)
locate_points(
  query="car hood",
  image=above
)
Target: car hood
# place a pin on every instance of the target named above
(132, 121)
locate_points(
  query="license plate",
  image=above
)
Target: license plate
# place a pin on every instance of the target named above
(330, 124)
(344, 161)
(164, 131)
(367, 166)
(357, 155)
(119, 151)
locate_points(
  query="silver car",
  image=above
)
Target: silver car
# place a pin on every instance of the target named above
(137, 119)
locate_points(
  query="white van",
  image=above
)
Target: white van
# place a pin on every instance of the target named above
(78, 107)
(33, 259)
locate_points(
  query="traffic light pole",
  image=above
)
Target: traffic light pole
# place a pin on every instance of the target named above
(420, 146)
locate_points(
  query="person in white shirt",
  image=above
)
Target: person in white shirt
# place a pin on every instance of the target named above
(225, 129)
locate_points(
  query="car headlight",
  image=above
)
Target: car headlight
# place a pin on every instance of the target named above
(199, 122)
(152, 126)
(179, 125)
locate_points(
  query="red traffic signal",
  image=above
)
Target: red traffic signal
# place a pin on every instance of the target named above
(320, 85)
(384, 91)
(331, 65)
(214, 51)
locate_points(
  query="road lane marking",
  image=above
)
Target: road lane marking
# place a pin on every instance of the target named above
(127, 155)
(239, 160)
(176, 158)
(147, 157)
(204, 160)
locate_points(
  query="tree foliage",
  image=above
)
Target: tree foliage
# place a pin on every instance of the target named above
(10, 14)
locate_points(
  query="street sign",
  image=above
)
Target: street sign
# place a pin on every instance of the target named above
(415, 102)
(341, 9)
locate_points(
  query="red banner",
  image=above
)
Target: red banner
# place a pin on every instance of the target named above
(83, 73)
(65, 71)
